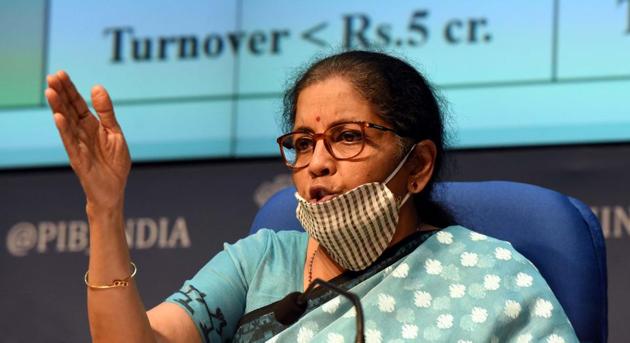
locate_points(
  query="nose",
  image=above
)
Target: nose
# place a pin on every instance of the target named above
(322, 162)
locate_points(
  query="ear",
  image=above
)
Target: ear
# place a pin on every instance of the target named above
(423, 161)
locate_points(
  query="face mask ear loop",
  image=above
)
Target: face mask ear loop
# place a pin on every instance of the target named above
(402, 163)
(404, 199)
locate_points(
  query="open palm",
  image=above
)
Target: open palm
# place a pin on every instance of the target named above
(96, 147)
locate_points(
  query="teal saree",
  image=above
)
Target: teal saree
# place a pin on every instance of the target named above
(454, 285)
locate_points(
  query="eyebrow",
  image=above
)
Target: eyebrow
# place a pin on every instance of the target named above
(338, 121)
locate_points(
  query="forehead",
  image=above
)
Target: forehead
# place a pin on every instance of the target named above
(329, 101)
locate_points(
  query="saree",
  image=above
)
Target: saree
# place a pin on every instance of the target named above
(454, 285)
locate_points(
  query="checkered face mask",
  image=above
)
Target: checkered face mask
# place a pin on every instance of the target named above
(357, 226)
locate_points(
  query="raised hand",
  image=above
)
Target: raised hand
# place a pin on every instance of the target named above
(96, 147)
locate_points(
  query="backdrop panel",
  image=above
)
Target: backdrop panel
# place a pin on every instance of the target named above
(178, 216)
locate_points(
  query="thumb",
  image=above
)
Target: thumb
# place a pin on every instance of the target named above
(104, 108)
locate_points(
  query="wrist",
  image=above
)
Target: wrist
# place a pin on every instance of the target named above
(111, 209)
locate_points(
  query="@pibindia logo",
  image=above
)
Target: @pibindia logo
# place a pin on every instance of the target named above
(72, 236)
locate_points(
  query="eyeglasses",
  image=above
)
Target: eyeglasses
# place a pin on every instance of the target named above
(343, 141)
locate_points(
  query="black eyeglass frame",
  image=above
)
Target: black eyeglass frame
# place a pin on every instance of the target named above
(323, 136)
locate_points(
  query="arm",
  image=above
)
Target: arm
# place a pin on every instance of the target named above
(99, 156)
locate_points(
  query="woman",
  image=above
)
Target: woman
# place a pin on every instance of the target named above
(366, 136)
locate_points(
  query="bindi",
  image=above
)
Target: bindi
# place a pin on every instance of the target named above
(317, 119)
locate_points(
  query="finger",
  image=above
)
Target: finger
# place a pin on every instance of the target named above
(104, 108)
(63, 93)
(76, 100)
(64, 126)
(58, 106)
(55, 83)
(69, 140)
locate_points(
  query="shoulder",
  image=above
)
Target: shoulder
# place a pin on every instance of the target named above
(265, 246)
(265, 239)
(456, 238)
(472, 254)
(491, 268)
(245, 256)
(485, 280)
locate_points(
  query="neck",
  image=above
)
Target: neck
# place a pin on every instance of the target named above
(319, 265)
(408, 222)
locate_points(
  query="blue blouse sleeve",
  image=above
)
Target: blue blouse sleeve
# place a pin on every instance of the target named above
(215, 297)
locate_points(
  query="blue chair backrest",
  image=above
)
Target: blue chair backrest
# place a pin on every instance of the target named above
(559, 234)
